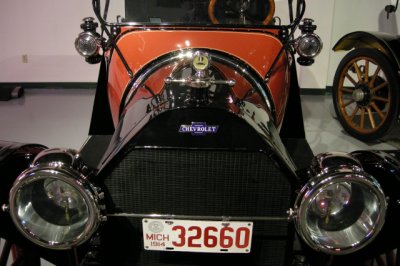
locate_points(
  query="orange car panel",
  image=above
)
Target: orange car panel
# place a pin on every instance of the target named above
(257, 49)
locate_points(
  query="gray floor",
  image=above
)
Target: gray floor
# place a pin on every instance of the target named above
(53, 117)
(60, 118)
(324, 132)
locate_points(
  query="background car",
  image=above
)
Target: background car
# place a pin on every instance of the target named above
(366, 84)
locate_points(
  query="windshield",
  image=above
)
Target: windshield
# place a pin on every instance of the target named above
(196, 12)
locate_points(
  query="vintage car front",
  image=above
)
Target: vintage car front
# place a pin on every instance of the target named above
(196, 154)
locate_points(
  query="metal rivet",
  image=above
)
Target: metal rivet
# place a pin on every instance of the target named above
(5, 208)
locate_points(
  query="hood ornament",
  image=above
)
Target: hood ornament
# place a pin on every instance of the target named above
(200, 63)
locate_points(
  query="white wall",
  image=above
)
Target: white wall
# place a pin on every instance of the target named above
(45, 31)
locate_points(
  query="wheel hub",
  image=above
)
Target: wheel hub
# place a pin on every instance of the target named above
(361, 95)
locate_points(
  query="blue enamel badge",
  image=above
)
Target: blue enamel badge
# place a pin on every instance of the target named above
(198, 129)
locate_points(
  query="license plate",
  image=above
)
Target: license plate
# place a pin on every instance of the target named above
(197, 236)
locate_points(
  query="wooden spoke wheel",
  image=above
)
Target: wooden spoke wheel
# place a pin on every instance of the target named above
(366, 94)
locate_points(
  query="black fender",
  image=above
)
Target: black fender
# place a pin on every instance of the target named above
(387, 43)
(101, 122)
(293, 122)
(14, 158)
(384, 166)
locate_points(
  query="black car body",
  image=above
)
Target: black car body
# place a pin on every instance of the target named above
(197, 154)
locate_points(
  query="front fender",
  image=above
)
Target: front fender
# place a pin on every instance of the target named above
(386, 43)
(14, 158)
(385, 167)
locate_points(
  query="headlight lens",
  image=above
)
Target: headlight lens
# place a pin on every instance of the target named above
(53, 207)
(87, 44)
(308, 45)
(340, 210)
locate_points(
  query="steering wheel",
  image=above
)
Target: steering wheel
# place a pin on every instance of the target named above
(267, 19)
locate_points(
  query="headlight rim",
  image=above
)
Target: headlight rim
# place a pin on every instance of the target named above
(70, 177)
(95, 37)
(326, 179)
(307, 35)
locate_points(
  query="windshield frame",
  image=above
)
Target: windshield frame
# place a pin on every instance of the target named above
(295, 17)
(112, 30)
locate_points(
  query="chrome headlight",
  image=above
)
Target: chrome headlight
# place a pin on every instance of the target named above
(342, 208)
(308, 45)
(88, 44)
(53, 204)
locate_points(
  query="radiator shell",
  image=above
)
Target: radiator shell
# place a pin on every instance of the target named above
(203, 182)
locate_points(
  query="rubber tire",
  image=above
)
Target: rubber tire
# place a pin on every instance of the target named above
(390, 71)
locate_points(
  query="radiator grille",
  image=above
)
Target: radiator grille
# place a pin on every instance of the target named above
(198, 182)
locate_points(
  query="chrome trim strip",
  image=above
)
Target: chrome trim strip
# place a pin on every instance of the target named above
(187, 54)
(199, 83)
(199, 217)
